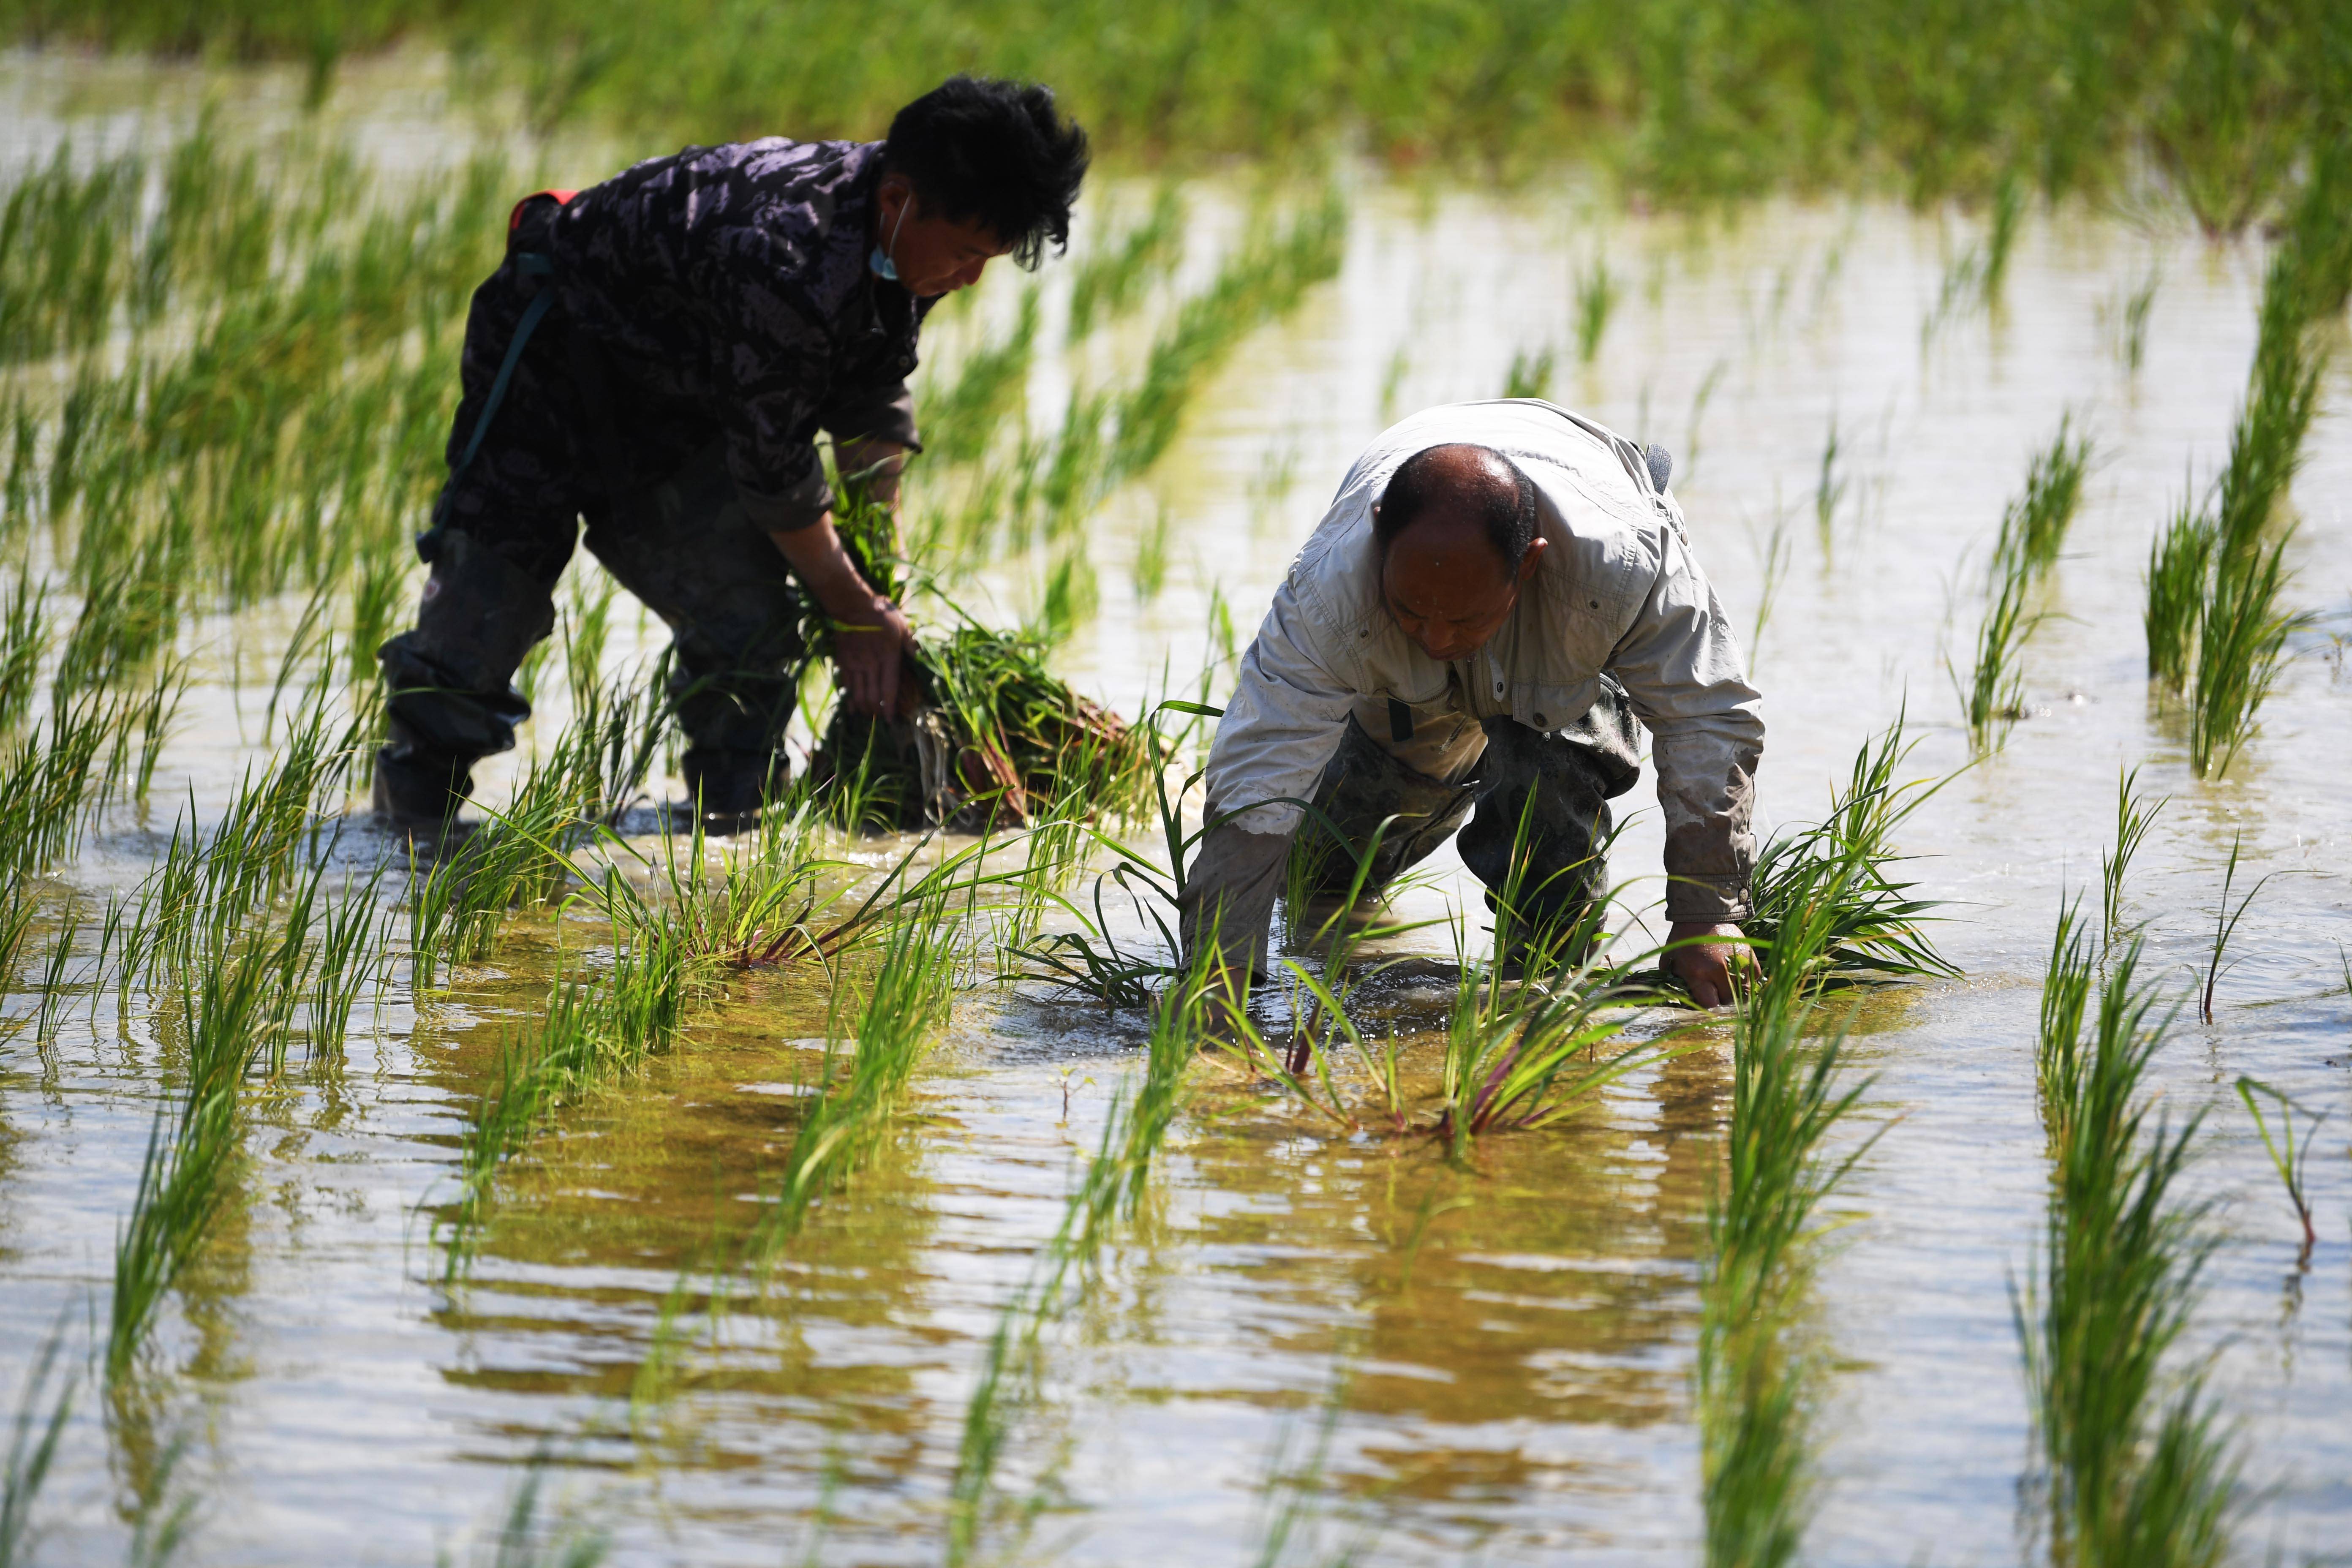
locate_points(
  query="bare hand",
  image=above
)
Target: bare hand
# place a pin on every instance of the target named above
(867, 655)
(871, 636)
(1709, 961)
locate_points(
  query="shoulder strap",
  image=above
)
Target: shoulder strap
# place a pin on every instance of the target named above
(538, 265)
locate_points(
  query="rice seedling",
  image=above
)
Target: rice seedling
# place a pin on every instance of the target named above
(1838, 866)
(47, 791)
(355, 927)
(907, 1001)
(1527, 1059)
(2179, 564)
(2133, 818)
(1931, 103)
(2217, 631)
(33, 1444)
(24, 642)
(2131, 337)
(1147, 573)
(2241, 639)
(1700, 397)
(53, 977)
(2225, 923)
(1070, 601)
(2288, 1158)
(18, 908)
(1392, 376)
(1000, 733)
(1530, 373)
(959, 420)
(1778, 553)
(2033, 526)
(1597, 293)
(1114, 277)
(1263, 280)
(1994, 696)
(1828, 492)
(183, 1185)
(2000, 237)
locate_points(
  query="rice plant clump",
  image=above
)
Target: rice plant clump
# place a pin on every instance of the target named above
(1837, 870)
(2216, 622)
(2033, 532)
(2033, 528)
(2134, 1466)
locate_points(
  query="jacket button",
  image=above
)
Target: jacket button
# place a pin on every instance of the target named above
(1540, 721)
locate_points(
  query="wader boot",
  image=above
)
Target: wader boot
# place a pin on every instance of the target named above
(727, 789)
(447, 699)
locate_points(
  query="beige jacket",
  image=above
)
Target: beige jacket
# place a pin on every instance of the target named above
(1619, 590)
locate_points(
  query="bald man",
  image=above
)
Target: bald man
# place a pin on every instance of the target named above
(1497, 592)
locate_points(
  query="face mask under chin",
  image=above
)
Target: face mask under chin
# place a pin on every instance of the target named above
(883, 265)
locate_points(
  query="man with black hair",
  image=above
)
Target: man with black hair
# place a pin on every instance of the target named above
(1498, 591)
(657, 355)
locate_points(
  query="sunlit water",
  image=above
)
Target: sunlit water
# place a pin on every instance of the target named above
(1508, 1349)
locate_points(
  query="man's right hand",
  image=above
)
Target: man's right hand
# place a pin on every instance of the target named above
(871, 636)
(868, 654)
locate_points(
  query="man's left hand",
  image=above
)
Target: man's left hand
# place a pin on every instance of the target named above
(1709, 960)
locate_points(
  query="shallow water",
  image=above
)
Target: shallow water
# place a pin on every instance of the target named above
(1508, 1351)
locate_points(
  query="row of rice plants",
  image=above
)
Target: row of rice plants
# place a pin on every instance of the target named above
(235, 937)
(259, 403)
(1008, 1387)
(1707, 102)
(1757, 1379)
(2216, 627)
(2132, 1463)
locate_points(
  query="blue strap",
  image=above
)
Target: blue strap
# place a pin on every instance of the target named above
(532, 264)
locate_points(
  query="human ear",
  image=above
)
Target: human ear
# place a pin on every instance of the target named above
(1533, 558)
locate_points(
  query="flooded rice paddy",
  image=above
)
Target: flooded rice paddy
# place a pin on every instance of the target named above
(1342, 1336)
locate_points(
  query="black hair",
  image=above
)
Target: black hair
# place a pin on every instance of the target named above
(1477, 479)
(995, 151)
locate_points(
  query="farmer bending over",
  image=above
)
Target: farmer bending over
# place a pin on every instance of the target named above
(657, 355)
(1497, 591)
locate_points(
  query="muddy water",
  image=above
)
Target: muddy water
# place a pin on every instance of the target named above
(1501, 1355)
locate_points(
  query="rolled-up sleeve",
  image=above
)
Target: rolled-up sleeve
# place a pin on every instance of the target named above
(874, 414)
(1682, 669)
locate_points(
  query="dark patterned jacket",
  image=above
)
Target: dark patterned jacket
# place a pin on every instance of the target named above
(724, 290)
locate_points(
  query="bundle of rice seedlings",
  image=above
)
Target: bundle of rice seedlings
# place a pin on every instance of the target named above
(991, 737)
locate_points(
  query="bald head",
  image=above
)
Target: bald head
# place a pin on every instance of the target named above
(1474, 493)
(1455, 530)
